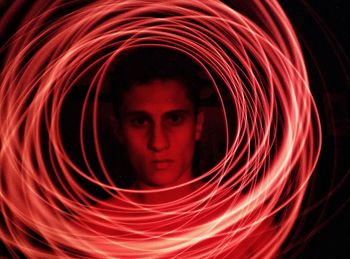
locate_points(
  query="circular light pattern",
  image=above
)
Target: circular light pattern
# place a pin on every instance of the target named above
(275, 141)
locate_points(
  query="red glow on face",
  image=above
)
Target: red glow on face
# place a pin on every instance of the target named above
(159, 129)
(265, 169)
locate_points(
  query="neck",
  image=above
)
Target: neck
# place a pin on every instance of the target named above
(158, 196)
(165, 196)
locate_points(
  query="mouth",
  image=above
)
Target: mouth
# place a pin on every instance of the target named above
(161, 164)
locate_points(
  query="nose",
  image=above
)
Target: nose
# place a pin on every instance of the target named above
(158, 139)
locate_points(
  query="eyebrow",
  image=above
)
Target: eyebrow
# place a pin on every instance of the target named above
(144, 113)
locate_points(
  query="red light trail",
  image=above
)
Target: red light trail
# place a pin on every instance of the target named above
(277, 132)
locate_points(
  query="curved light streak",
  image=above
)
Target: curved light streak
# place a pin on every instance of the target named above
(276, 133)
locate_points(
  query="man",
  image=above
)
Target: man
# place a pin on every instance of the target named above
(155, 97)
(158, 121)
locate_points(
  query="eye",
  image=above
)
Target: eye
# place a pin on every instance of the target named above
(139, 122)
(175, 119)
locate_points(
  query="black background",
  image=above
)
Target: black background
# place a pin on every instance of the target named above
(323, 30)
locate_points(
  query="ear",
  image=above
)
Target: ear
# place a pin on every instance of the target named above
(117, 129)
(199, 125)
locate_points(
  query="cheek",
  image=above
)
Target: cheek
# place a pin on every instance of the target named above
(135, 143)
(136, 150)
(183, 139)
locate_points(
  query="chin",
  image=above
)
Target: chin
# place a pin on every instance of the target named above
(163, 179)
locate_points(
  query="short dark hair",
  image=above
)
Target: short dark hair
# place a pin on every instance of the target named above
(145, 64)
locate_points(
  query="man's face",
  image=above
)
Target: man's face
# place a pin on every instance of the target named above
(159, 128)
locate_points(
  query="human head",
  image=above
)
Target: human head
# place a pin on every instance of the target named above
(156, 99)
(142, 65)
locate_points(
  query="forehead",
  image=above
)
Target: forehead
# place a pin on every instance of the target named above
(156, 96)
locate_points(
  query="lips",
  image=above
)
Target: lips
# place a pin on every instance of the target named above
(161, 164)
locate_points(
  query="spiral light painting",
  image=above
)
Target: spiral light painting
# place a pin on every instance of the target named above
(247, 209)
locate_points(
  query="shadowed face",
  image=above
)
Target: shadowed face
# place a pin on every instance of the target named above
(159, 128)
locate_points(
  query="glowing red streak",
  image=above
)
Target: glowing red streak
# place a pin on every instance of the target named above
(275, 114)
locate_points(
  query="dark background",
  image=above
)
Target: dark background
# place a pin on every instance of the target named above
(322, 28)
